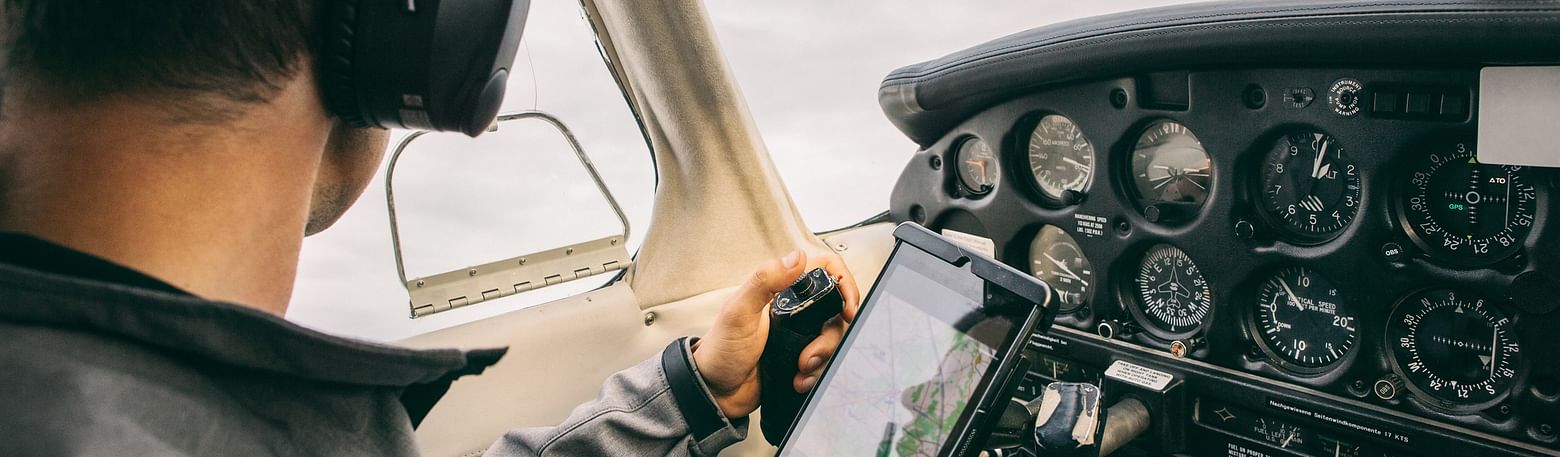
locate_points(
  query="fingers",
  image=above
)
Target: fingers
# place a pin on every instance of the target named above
(816, 355)
(769, 279)
(835, 265)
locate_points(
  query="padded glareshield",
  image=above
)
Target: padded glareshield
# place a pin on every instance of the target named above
(928, 99)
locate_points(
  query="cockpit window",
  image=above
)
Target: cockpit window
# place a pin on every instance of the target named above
(810, 73)
(462, 202)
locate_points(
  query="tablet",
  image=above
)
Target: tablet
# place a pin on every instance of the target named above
(936, 342)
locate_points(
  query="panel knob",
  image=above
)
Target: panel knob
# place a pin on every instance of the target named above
(1388, 387)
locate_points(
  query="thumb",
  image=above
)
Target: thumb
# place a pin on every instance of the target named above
(771, 278)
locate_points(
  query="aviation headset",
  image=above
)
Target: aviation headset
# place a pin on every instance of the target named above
(436, 65)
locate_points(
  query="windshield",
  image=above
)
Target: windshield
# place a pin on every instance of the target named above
(809, 70)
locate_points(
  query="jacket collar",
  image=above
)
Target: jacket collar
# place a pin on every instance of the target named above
(173, 321)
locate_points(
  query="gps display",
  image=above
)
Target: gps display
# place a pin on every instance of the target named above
(918, 353)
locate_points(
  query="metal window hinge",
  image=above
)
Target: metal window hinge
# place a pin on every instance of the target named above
(494, 280)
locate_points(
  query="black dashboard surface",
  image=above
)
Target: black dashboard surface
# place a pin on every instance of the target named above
(1392, 296)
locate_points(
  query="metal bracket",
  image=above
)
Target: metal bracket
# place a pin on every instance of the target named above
(493, 280)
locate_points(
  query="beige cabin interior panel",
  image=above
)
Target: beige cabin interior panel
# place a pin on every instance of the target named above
(560, 352)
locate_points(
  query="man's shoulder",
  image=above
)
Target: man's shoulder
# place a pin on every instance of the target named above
(73, 392)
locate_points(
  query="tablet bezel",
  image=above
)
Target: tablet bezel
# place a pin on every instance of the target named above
(1027, 301)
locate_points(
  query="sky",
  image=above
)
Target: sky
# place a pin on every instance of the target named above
(809, 69)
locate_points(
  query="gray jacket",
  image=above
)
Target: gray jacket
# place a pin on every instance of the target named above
(103, 361)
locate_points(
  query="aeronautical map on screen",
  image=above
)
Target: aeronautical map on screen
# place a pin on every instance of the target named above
(899, 386)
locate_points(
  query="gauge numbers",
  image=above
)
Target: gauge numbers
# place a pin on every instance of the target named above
(1279, 433)
(1061, 158)
(1312, 188)
(977, 165)
(1055, 258)
(1467, 213)
(1172, 293)
(1303, 321)
(1172, 173)
(1455, 350)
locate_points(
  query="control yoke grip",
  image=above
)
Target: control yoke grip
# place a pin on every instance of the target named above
(1067, 420)
(1067, 417)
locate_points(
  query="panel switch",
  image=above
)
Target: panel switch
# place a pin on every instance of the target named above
(1454, 105)
(1386, 102)
(1419, 103)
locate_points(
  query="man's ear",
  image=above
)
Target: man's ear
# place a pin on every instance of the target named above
(349, 161)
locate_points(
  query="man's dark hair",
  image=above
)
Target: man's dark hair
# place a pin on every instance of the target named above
(185, 51)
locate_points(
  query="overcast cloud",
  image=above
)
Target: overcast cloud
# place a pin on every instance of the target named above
(809, 69)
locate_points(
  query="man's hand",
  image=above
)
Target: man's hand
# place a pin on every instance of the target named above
(727, 356)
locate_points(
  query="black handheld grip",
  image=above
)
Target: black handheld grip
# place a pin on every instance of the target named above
(797, 316)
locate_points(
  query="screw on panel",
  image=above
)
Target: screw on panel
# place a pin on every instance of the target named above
(841, 247)
(649, 318)
(522, 260)
(918, 214)
(472, 272)
(936, 162)
(1254, 97)
(1118, 98)
(420, 283)
(1153, 213)
(1245, 229)
(569, 251)
(1123, 228)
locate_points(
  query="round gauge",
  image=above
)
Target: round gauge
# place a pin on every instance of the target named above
(1312, 189)
(1467, 213)
(1303, 321)
(978, 171)
(1172, 294)
(1055, 258)
(1456, 351)
(1061, 157)
(1172, 171)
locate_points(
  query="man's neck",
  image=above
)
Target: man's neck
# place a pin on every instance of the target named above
(218, 211)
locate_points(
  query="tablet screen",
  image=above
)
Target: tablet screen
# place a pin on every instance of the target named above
(904, 374)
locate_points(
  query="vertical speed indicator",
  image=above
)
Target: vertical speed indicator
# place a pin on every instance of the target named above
(1303, 321)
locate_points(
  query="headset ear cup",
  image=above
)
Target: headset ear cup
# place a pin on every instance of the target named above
(484, 106)
(336, 64)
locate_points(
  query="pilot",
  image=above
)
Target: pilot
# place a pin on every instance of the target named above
(160, 163)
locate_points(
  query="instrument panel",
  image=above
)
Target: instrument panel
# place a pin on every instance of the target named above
(1344, 248)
